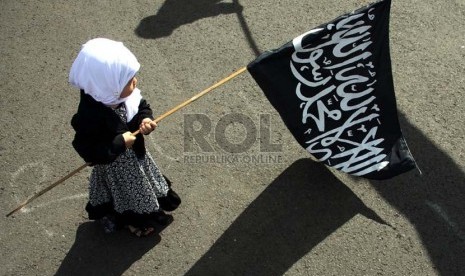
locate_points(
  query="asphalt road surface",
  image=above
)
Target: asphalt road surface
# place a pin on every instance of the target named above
(258, 213)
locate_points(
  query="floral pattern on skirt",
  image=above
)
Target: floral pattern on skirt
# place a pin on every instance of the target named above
(130, 183)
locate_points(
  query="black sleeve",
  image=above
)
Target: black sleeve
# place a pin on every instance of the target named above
(93, 145)
(144, 111)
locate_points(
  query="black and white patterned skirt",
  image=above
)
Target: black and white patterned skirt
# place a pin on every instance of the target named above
(129, 188)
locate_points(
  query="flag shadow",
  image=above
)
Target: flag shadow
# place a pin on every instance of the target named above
(175, 13)
(298, 210)
(434, 202)
(97, 253)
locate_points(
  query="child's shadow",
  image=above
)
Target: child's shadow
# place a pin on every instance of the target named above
(97, 253)
(175, 13)
(298, 210)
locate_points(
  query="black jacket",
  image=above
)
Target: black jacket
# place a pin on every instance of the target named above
(98, 138)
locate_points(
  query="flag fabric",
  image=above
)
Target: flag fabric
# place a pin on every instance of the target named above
(333, 88)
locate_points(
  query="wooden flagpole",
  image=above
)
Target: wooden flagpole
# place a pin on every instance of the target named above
(36, 195)
(166, 114)
(221, 82)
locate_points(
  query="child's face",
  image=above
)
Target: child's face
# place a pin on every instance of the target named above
(127, 90)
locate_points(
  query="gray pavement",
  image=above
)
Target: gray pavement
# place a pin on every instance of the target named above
(278, 214)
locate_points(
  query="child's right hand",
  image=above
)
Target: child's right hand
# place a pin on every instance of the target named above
(129, 139)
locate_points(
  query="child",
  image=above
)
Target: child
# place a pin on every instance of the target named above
(126, 187)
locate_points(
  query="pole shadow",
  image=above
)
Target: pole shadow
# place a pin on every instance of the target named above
(97, 253)
(245, 28)
(175, 13)
(434, 202)
(298, 210)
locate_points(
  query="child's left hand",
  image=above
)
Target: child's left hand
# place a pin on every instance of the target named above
(147, 126)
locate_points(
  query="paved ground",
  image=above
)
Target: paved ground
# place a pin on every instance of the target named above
(282, 215)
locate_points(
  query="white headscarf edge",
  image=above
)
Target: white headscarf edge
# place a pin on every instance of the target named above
(102, 69)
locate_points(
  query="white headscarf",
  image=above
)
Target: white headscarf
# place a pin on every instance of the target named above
(102, 69)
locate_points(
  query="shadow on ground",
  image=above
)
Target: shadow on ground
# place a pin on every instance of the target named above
(298, 210)
(306, 203)
(97, 253)
(175, 13)
(434, 203)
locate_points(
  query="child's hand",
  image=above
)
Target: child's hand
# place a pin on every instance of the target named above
(147, 126)
(129, 139)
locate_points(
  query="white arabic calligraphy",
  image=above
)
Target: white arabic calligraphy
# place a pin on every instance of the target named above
(343, 108)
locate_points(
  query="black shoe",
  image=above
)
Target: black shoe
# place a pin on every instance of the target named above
(162, 218)
(170, 202)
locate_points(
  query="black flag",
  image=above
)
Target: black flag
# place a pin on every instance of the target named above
(333, 88)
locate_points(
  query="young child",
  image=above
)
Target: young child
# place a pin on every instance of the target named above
(126, 186)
